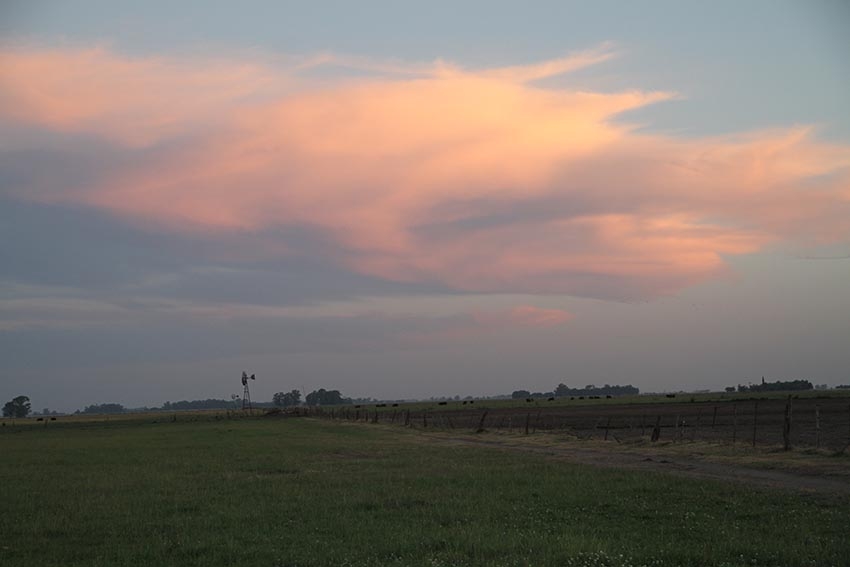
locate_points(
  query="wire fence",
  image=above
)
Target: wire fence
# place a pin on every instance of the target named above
(784, 423)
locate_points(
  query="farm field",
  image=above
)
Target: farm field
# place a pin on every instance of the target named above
(299, 491)
(817, 420)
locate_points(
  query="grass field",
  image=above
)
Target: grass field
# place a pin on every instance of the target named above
(268, 491)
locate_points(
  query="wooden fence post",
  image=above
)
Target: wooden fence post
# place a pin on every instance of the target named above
(817, 427)
(696, 425)
(407, 418)
(527, 420)
(656, 431)
(481, 423)
(607, 425)
(786, 428)
(714, 417)
(755, 420)
(734, 422)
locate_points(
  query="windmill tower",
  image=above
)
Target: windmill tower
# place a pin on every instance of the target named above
(246, 394)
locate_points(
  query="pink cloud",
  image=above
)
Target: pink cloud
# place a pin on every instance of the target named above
(478, 180)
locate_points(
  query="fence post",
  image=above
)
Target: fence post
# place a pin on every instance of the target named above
(643, 425)
(527, 420)
(424, 419)
(755, 420)
(734, 422)
(656, 431)
(786, 428)
(696, 426)
(817, 427)
(481, 423)
(607, 425)
(714, 417)
(407, 418)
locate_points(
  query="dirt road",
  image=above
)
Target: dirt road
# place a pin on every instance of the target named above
(817, 474)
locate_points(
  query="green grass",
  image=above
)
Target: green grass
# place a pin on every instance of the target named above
(306, 492)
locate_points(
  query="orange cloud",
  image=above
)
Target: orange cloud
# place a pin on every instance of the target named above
(478, 180)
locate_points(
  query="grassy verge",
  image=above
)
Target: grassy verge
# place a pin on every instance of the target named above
(305, 492)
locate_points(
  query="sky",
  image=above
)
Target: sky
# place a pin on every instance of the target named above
(405, 200)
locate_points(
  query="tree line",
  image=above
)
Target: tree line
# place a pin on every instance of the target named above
(778, 386)
(562, 391)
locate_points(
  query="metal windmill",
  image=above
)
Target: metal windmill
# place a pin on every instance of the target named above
(246, 394)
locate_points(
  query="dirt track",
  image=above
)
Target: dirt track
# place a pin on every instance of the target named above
(813, 478)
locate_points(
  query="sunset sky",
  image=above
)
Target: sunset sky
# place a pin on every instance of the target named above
(404, 200)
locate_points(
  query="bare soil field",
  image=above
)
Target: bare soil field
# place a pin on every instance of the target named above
(809, 472)
(822, 423)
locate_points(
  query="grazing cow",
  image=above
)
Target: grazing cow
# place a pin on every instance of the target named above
(608, 396)
(671, 395)
(395, 405)
(529, 400)
(441, 403)
(551, 400)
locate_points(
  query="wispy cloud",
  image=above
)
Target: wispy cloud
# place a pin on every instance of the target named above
(477, 180)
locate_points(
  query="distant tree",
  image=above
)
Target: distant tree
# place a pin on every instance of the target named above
(285, 399)
(730, 389)
(562, 390)
(18, 407)
(104, 408)
(520, 394)
(210, 403)
(322, 397)
(591, 390)
(778, 386)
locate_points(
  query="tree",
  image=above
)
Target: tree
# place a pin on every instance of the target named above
(562, 390)
(104, 408)
(285, 399)
(520, 394)
(19, 407)
(322, 397)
